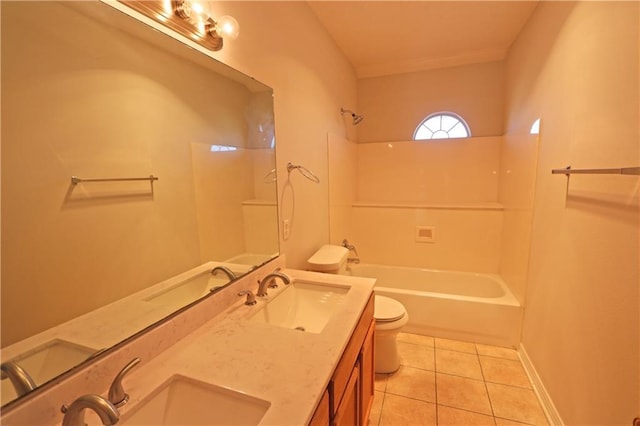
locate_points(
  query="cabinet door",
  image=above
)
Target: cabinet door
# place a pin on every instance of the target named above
(321, 416)
(348, 412)
(367, 373)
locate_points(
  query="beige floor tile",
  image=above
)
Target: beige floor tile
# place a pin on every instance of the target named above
(463, 393)
(455, 345)
(400, 411)
(514, 403)
(376, 409)
(418, 356)
(504, 371)
(458, 363)
(416, 339)
(413, 383)
(448, 416)
(380, 383)
(497, 351)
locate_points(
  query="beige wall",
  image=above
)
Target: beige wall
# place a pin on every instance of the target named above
(576, 66)
(283, 45)
(343, 171)
(518, 162)
(381, 192)
(453, 171)
(394, 105)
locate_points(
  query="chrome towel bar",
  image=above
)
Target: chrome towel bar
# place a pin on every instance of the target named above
(76, 180)
(620, 171)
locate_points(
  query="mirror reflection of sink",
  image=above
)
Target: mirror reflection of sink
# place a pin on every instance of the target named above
(185, 401)
(189, 290)
(303, 306)
(45, 362)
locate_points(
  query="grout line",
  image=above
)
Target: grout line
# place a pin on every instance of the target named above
(435, 380)
(486, 389)
(384, 396)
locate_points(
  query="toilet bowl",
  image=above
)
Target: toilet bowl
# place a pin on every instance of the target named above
(389, 314)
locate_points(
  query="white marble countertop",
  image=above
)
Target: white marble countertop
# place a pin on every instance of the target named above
(288, 368)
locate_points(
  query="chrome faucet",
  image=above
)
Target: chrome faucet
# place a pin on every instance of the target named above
(74, 413)
(270, 282)
(19, 378)
(349, 247)
(117, 396)
(232, 276)
(251, 298)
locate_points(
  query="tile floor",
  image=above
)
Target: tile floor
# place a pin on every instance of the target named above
(448, 382)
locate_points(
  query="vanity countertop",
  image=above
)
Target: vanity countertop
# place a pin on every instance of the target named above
(288, 368)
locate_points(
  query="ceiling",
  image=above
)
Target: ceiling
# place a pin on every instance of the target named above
(392, 37)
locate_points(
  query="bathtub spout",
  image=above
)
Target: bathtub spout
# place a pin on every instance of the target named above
(349, 247)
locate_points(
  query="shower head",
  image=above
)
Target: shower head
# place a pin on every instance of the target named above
(356, 118)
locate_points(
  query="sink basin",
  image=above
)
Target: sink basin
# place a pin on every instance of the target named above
(185, 401)
(47, 361)
(303, 306)
(189, 290)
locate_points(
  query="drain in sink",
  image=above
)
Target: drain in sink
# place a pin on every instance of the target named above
(300, 328)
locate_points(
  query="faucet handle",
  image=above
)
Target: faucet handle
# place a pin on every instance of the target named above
(251, 298)
(117, 395)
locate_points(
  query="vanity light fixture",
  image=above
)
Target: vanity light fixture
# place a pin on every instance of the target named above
(191, 18)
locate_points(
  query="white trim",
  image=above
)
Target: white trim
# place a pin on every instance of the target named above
(550, 411)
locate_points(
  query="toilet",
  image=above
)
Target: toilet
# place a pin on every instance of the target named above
(390, 315)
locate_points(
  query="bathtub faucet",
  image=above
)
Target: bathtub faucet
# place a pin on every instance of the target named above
(349, 247)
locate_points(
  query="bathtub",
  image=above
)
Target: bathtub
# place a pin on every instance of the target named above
(450, 304)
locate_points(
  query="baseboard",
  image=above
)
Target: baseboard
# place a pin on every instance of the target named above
(553, 417)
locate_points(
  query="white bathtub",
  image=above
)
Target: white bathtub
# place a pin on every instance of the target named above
(449, 304)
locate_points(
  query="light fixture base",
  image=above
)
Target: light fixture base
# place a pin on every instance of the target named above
(178, 20)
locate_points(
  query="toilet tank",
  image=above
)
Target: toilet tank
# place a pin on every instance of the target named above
(330, 259)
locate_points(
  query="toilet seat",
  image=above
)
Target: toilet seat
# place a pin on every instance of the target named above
(387, 309)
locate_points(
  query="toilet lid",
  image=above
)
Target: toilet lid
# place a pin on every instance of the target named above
(387, 309)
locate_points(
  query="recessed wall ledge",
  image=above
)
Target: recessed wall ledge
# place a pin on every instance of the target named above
(428, 205)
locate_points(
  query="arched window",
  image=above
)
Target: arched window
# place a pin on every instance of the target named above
(442, 125)
(535, 127)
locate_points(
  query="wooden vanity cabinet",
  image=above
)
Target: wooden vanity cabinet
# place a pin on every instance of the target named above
(350, 391)
(368, 374)
(321, 415)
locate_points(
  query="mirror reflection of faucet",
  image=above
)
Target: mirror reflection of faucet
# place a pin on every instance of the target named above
(19, 378)
(230, 274)
(352, 248)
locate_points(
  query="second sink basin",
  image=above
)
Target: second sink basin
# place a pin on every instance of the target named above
(185, 401)
(303, 306)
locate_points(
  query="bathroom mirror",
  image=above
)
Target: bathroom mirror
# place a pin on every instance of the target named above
(132, 165)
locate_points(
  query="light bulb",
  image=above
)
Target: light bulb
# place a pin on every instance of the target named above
(201, 11)
(227, 27)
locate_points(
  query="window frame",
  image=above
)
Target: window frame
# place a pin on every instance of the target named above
(453, 115)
